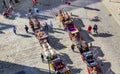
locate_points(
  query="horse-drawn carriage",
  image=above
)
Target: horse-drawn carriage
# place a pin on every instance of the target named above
(59, 66)
(92, 64)
(42, 37)
(88, 58)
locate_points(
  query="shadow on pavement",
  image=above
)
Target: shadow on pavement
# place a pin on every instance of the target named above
(68, 61)
(54, 30)
(89, 8)
(66, 58)
(31, 33)
(13, 68)
(23, 35)
(107, 68)
(5, 26)
(58, 29)
(95, 20)
(78, 23)
(43, 17)
(74, 70)
(102, 35)
(54, 42)
(83, 3)
(86, 36)
(97, 51)
(1, 32)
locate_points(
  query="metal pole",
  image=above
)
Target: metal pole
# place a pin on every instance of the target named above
(49, 68)
(49, 64)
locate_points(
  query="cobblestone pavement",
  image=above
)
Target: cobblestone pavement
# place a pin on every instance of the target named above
(22, 52)
(114, 8)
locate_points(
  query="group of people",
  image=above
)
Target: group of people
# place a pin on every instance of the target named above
(95, 29)
(8, 8)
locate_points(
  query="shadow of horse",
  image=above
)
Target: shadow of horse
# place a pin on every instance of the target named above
(106, 68)
(86, 36)
(78, 23)
(74, 70)
(4, 26)
(54, 42)
(13, 68)
(66, 58)
(97, 51)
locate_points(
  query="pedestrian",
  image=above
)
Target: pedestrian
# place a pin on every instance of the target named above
(4, 3)
(34, 2)
(90, 45)
(51, 24)
(46, 26)
(31, 24)
(36, 11)
(26, 28)
(42, 57)
(14, 29)
(95, 28)
(89, 29)
(29, 13)
(7, 13)
(11, 3)
(73, 47)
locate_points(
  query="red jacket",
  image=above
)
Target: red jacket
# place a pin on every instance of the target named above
(34, 1)
(8, 11)
(89, 28)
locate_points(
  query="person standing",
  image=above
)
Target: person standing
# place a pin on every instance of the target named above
(51, 25)
(42, 57)
(95, 28)
(36, 11)
(34, 2)
(46, 26)
(73, 47)
(7, 13)
(11, 3)
(26, 28)
(89, 29)
(31, 24)
(29, 13)
(14, 29)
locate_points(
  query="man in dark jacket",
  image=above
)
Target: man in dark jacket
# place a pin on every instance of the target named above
(26, 28)
(95, 28)
(42, 57)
